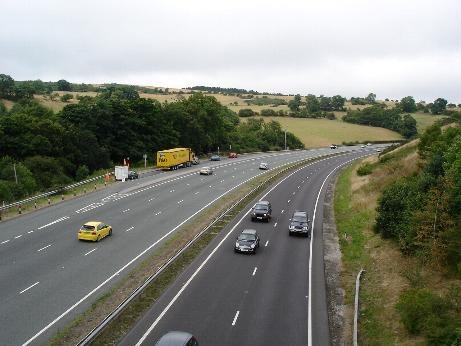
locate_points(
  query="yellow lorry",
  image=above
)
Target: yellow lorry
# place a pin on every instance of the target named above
(173, 159)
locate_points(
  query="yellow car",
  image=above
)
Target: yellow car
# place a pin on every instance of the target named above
(94, 230)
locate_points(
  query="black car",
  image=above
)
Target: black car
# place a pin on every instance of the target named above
(299, 223)
(133, 175)
(215, 158)
(261, 211)
(247, 241)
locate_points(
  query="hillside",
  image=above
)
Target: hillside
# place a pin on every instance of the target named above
(312, 132)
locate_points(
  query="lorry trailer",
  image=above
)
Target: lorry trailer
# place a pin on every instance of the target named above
(176, 158)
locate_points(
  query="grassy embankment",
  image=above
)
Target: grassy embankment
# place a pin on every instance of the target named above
(388, 272)
(312, 132)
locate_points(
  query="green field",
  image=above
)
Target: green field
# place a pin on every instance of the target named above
(322, 132)
(312, 132)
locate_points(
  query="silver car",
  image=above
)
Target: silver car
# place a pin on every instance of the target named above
(206, 171)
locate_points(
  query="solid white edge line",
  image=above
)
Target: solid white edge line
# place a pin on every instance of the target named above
(185, 285)
(136, 258)
(309, 304)
(147, 249)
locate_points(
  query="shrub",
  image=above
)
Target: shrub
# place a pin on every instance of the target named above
(246, 112)
(365, 169)
(416, 307)
(82, 172)
(66, 97)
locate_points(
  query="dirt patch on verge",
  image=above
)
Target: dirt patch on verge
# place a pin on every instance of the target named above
(333, 267)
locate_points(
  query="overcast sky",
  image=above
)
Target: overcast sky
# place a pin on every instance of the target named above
(346, 47)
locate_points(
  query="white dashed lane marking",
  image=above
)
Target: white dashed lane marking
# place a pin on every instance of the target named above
(43, 248)
(28, 288)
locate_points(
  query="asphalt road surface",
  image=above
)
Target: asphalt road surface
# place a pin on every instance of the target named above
(47, 277)
(275, 297)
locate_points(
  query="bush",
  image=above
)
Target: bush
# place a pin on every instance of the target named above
(436, 317)
(268, 113)
(330, 116)
(66, 97)
(417, 307)
(365, 169)
(246, 112)
(82, 172)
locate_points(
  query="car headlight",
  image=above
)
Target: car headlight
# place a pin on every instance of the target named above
(304, 228)
(236, 244)
(252, 246)
(254, 214)
(291, 227)
(264, 214)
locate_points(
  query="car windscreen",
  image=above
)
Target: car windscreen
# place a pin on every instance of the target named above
(299, 219)
(246, 237)
(261, 207)
(88, 228)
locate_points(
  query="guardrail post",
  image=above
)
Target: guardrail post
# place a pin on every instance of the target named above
(84, 190)
(35, 205)
(75, 193)
(62, 197)
(19, 209)
(0, 214)
(49, 201)
(95, 186)
(356, 308)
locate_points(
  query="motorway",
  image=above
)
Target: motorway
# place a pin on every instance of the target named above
(276, 297)
(47, 277)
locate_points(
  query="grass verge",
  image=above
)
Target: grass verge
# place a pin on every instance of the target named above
(385, 267)
(82, 324)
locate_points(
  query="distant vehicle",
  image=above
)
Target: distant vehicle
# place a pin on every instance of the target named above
(247, 241)
(299, 223)
(121, 172)
(177, 338)
(215, 158)
(362, 146)
(333, 146)
(94, 231)
(368, 144)
(262, 210)
(133, 175)
(378, 150)
(263, 165)
(173, 159)
(206, 171)
(232, 155)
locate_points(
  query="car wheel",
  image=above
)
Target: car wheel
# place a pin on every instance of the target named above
(110, 232)
(98, 238)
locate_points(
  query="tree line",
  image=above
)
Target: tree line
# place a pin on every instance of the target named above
(44, 150)
(422, 214)
(377, 115)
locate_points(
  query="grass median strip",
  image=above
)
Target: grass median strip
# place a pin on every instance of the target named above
(81, 326)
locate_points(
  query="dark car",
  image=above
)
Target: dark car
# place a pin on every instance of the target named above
(333, 146)
(133, 175)
(247, 241)
(177, 338)
(215, 158)
(299, 223)
(261, 211)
